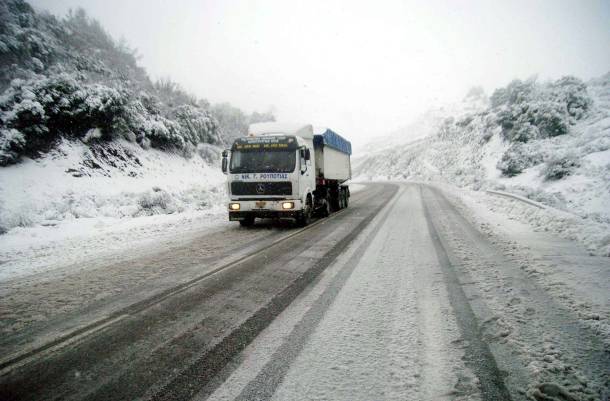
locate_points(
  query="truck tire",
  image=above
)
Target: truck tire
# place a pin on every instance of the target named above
(345, 199)
(326, 209)
(335, 200)
(248, 221)
(342, 200)
(304, 218)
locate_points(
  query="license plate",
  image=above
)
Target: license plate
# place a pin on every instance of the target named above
(260, 204)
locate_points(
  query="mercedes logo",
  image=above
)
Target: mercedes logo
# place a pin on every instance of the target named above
(260, 188)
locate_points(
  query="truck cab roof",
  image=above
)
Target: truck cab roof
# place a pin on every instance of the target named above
(321, 136)
(304, 131)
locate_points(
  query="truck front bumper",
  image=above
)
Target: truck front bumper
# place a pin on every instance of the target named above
(264, 209)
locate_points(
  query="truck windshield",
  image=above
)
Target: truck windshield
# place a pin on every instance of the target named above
(262, 162)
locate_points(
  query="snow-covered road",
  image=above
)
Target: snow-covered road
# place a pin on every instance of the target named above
(424, 306)
(416, 292)
(378, 325)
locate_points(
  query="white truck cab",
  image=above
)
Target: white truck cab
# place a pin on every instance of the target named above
(272, 173)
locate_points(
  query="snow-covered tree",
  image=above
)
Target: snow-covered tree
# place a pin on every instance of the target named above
(527, 110)
(234, 123)
(66, 77)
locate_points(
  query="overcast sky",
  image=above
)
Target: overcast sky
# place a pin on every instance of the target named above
(362, 68)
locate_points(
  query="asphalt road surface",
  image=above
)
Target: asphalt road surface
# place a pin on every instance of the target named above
(397, 297)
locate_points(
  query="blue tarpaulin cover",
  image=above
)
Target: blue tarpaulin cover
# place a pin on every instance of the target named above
(334, 140)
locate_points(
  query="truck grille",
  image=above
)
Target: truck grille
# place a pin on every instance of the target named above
(261, 188)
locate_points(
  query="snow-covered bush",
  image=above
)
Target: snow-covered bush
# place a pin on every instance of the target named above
(12, 143)
(572, 92)
(549, 118)
(22, 216)
(63, 78)
(516, 92)
(547, 131)
(155, 201)
(532, 120)
(42, 110)
(560, 166)
(233, 122)
(197, 124)
(102, 107)
(25, 46)
(35, 113)
(209, 153)
(554, 199)
(527, 110)
(161, 132)
(517, 158)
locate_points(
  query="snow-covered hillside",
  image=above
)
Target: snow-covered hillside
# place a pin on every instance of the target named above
(549, 142)
(61, 77)
(90, 145)
(428, 123)
(108, 180)
(112, 194)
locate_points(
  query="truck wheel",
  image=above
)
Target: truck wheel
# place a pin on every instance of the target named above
(247, 221)
(326, 210)
(304, 217)
(335, 203)
(345, 200)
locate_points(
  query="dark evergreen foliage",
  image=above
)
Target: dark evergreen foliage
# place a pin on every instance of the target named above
(66, 77)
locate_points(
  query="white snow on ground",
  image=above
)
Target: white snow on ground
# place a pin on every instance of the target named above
(391, 331)
(89, 242)
(77, 203)
(355, 187)
(81, 204)
(464, 148)
(388, 334)
(576, 278)
(593, 235)
(541, 301)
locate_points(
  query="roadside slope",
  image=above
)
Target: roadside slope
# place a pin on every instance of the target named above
(549, 142)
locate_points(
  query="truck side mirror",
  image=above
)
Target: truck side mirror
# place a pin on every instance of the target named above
(307, 155)
(225, 161)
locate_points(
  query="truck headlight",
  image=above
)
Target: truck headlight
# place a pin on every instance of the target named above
(287, 205)
(234, 206)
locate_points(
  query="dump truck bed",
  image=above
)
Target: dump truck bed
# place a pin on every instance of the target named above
(332, 156)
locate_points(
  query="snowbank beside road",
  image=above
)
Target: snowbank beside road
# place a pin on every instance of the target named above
(81, 200)
(90, 242)
(116, 179)
(532, 238)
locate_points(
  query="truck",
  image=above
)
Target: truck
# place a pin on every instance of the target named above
(287, 171)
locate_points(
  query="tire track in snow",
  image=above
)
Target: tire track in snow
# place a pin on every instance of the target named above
(535, 339)
(199, 375)
(478, 355)
(97, 325)
(263, 386)
(389, 333)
